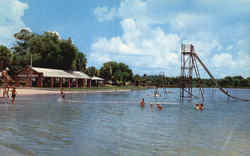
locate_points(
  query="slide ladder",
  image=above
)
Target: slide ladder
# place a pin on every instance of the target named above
(214, 80)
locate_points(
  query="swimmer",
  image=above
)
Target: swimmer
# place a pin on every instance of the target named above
(62, 93)
(13, 95)
(159, 106)
(199, 106)
(142, 102)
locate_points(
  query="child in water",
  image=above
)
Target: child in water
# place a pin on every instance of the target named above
(62, 93)
(13, 95)
(199, 106)
(142, 102)
(159, 106)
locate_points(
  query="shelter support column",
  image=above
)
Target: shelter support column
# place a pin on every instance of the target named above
(83, 83)
(69, 84)
(61, 82)
(52, 82)
(89, 83)
(76, 81)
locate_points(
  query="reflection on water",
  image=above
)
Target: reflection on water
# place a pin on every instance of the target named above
(111, 124)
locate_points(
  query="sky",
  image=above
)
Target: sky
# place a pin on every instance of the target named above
(144, 34)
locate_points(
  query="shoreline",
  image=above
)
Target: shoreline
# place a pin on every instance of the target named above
(37, 91)
(49, 91)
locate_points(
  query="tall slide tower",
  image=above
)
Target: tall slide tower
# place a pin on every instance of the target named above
(189, 71)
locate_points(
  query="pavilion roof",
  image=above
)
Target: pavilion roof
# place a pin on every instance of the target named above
(53, 72)
(80, 75)
(97, 78)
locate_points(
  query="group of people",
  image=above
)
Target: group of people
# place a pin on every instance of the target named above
(151, 105)
(199, 106)
(6, 91)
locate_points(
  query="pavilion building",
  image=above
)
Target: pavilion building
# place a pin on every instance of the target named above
(51, 78)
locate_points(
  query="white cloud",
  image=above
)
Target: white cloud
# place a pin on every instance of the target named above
(149, 48)
(154, 30)
(105, 14)
(223, 60)
(11, 12)
(230, 47)
(191, 21)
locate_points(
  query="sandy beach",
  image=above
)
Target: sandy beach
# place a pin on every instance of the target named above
(36, 91)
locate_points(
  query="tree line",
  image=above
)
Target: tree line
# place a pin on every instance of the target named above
(164, 81)
(49, 50)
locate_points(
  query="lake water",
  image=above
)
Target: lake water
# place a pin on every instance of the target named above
(114, 124)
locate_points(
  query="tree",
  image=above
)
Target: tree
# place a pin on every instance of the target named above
(5, 57)
(116, 72)
(137, 79)
(92, 71)
(47, 50)
(80, 62)
(68, 53)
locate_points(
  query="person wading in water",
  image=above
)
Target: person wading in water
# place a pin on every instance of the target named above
(62, 93)
(13, 95)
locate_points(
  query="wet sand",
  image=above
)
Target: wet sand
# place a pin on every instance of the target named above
(34, 91)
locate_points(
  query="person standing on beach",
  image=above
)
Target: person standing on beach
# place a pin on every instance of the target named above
(13, 95)
(4, 91)
(7, 91)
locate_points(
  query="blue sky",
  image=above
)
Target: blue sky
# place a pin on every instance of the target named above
(145, 34)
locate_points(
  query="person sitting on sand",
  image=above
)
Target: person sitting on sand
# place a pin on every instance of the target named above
(142, 102)
(62, 93)
(13, 95)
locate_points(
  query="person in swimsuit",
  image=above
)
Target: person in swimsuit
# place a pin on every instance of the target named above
(151, 105)
(159, 106)
(62, 93)
(13, 95)
(142, 102)
(7, 91)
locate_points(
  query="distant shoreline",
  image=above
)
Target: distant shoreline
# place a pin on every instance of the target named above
(38, 91)
(43, 91)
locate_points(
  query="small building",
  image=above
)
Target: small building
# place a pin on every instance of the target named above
(97, 81)
(45, 77)
(83, 79)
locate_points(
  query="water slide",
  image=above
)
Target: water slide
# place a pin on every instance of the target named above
(214, 80)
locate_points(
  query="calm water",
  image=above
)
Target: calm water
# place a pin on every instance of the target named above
(113, 124)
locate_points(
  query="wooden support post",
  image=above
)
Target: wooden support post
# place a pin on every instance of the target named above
(76, 83)
(83, 83)
(69, 83)
(41, 78)
(52, 82)
(61, 82)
